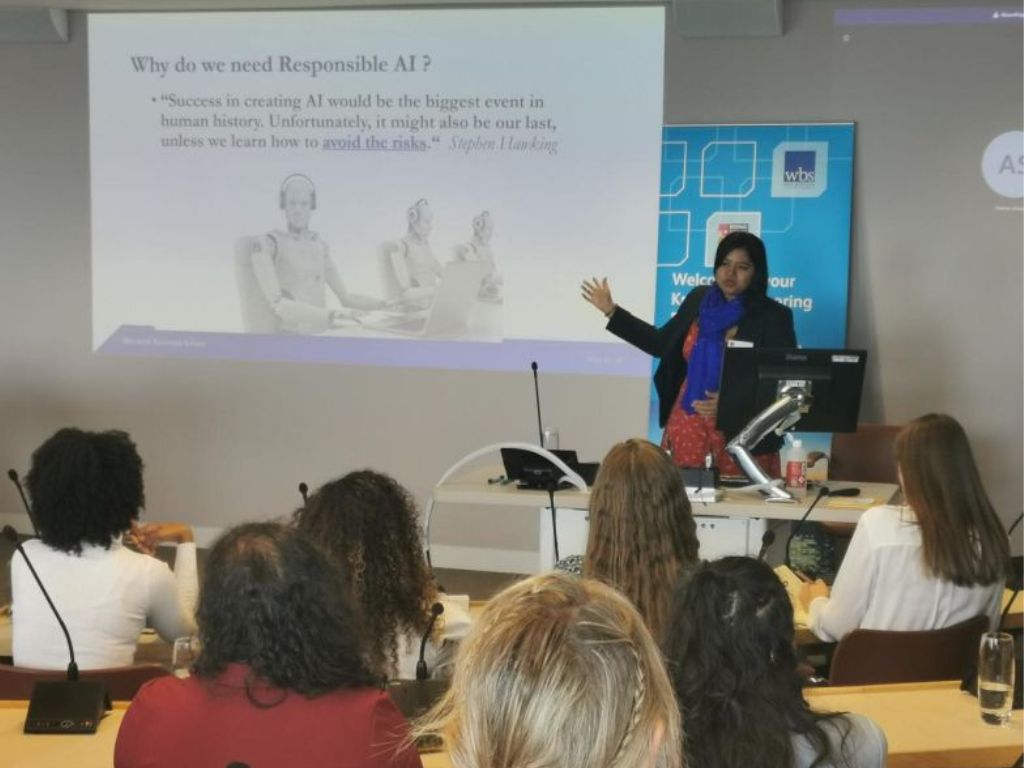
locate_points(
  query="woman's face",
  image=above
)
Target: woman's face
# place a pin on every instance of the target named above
(735, 274)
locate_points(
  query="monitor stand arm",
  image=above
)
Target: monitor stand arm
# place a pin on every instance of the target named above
(777, 417)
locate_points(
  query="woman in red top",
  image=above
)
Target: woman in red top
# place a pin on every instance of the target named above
(691, 345)
(280, 680)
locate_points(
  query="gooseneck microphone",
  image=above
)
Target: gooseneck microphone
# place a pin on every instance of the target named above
(304, 492)
(422, 673)
(12, 536)
(766, 541)
(13, 475)
(536, 398)
(540, 442)
(65, 706)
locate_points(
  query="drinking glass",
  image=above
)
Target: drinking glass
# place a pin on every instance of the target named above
(995, 677)
(184, 655)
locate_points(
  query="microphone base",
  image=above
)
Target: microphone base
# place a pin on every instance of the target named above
(61, 706)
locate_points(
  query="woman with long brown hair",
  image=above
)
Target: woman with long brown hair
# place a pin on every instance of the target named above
(368, 523)
(642, 533)
(939, 559)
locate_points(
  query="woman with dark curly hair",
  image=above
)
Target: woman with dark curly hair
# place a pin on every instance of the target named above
(367, 522)
(280, 678)
(731, 657)
(86, 490)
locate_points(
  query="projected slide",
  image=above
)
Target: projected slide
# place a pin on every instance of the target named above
(416, 188)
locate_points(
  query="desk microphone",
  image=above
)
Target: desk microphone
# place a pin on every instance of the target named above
(422, 673)
(540, 442)
(13, 475)
(854, 492)
(766, 541)
(536, 398)
(304, 491)
(69, 706)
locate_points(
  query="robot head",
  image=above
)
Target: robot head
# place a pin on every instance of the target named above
(483, 226)
(297, 200)
(421, 218)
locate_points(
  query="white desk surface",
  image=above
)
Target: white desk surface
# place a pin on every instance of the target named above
(472, 488)
(931, 725)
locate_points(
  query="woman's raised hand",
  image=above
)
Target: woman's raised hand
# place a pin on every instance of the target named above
(599, 294)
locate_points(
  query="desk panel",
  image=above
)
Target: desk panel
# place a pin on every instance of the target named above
(931, 725)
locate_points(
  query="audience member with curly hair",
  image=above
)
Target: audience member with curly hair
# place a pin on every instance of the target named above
(280, 678)
(733, 664)
(559, 671)
(367, 522)
(642, 533)
(86, 491)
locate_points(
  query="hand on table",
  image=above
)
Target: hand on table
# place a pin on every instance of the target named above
(146, 537)
(599, 294)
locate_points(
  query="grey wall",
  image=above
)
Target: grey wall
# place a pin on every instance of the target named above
(936, 286)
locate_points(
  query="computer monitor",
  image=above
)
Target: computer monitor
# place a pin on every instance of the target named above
(753, 378)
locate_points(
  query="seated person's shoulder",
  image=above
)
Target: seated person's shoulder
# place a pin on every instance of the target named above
(855, 741)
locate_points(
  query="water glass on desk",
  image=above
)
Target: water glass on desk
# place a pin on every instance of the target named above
(995, 677)
(186, 651)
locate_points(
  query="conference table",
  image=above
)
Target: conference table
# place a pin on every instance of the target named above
(933, 725)
(474, 487)
(732, 525)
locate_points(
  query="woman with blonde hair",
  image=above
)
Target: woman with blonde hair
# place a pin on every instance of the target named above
(642, 534)
(559, 671)
(938, 560)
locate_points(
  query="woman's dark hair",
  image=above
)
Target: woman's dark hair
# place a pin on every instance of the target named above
(731, 657)
(86, 488)
(962, 539)
(368, 524)
(272, 600)
(753, 246)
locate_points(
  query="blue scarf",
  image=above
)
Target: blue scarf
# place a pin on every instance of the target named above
(704, 371)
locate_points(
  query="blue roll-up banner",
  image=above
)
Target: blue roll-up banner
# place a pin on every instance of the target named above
(789, 184)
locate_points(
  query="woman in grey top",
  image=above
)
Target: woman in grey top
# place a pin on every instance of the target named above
(732, 660)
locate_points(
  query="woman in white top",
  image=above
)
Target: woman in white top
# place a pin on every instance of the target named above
(940, 559)
(367, 522)
(86, 491)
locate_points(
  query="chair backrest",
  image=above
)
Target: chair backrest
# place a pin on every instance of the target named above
(257, 316)
(867, 455)
(122, 682)
(868, 656)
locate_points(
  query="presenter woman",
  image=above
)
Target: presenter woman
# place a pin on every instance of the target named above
(691, 345)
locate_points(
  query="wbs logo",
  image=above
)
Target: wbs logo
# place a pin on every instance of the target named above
(800, 169)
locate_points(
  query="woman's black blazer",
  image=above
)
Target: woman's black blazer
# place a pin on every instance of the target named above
(765, 323)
